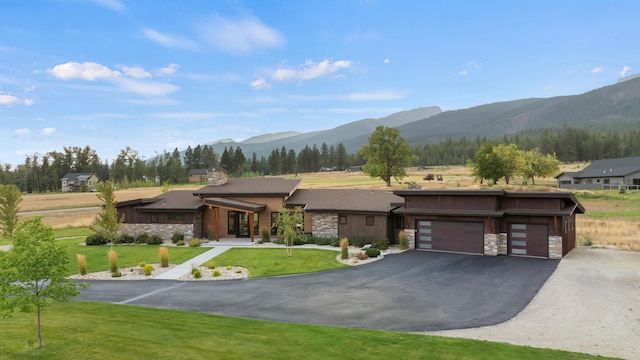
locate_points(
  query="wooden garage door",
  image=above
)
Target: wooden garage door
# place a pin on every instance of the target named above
(529, 240)
(466, 237)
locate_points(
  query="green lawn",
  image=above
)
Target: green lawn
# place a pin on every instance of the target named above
(84, 330)
(72, 232)
(610, 203)
(273, 262)
(128, 255)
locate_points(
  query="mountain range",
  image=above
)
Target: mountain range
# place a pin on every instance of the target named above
(613, 107)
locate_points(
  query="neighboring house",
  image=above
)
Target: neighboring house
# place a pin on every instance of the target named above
(197, 175)
(348, 212)
(74, 182)
(491, 222)
(485, 222)
(604, 174)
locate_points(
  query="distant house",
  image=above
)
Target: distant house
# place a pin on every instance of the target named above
(197, 175)
(75, 182)
(604, 174)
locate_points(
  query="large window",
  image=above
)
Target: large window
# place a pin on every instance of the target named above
(399, 222)
(154, 218)
(175, 218)
(231, 224)
(274, 222)
(369, 220)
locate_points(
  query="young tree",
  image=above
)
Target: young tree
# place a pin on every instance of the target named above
(290, 226)
(107, 220)
(34, 272)
(387, 154)
(10, 198)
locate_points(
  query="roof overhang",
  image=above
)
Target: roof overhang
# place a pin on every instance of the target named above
(235, 204)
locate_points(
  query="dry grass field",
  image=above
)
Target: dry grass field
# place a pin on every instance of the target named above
(611, 219)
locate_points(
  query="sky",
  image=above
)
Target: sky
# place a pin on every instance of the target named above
(157, 75)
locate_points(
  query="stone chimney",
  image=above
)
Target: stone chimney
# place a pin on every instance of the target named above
(217, 177)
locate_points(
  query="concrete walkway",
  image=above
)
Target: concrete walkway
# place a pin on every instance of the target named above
(185, 268)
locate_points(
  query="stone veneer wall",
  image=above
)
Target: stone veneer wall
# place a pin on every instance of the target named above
(502, 244)
(324, 224)
(411, 238)
(164, 230)
(555, 247)
(491, 244)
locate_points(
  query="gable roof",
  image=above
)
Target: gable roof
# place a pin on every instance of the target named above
(250, 187)
(176, 200)
(197, 172)
(77, 176)
(608, 168)
(344, 200)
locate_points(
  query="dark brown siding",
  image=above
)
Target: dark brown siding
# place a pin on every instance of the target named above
(356, 225)
(452, 202)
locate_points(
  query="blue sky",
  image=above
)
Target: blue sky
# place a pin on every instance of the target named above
(156, 75)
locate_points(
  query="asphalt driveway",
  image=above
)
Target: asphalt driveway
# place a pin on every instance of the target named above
(412, 291)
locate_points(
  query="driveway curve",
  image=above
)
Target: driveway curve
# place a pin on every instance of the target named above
(411, 291)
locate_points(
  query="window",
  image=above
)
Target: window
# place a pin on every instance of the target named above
(369, 220)
(256, 224)
(343, 219)
(274, 221)
(154, 218)
(399, 222)
(175, 218)
(231, 224)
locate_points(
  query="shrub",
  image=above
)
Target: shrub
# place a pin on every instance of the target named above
(194, 242)
(180, 243)
(344, 248)
(196, 273)
(299, 240)
(141, 238)
(116, 274)
(97, 238)
(216, 273)
(154, 239)
(402, 236)
(372, 252)
(124, 239)
(148, 269)
(229, 267)
(142, 264)
(362, 256)
(359, 240)
(82, 263)
(382, 244)
(113, 261)
(238, 271)
(266, 236)
(177, 236)
(164, 256)
(210, 264)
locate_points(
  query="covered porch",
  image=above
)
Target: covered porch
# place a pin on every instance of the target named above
(240, 217)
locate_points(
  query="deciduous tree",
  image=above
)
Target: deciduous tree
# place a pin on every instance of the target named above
(387, 154)
(10, 198)
(34, 272)
(107, 219)
(289, 226)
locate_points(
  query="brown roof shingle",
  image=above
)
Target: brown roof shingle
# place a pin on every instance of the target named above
(344, 200)
(251, 187)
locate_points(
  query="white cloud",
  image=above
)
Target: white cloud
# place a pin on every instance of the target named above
(474, 65)
(310, 70)
(7, 99)
(596, 70)
(167, 40)
(22, 131)
(463, 72)
(240, 36)
(28, 102)
(169, 69)
(87, 71)
(260, 84)
(147, 88)
(116, 5)
(29, 88)
(48, 131)
(624, 71)
(135, 72)
(386, 61)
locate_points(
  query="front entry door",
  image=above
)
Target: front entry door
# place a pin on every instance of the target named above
(239, 224)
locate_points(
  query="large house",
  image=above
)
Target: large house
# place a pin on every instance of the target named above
(74, 182)
(485, 222)
(604, 174)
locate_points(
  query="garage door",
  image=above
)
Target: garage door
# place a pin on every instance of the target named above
(466, 237)
(529, 240)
